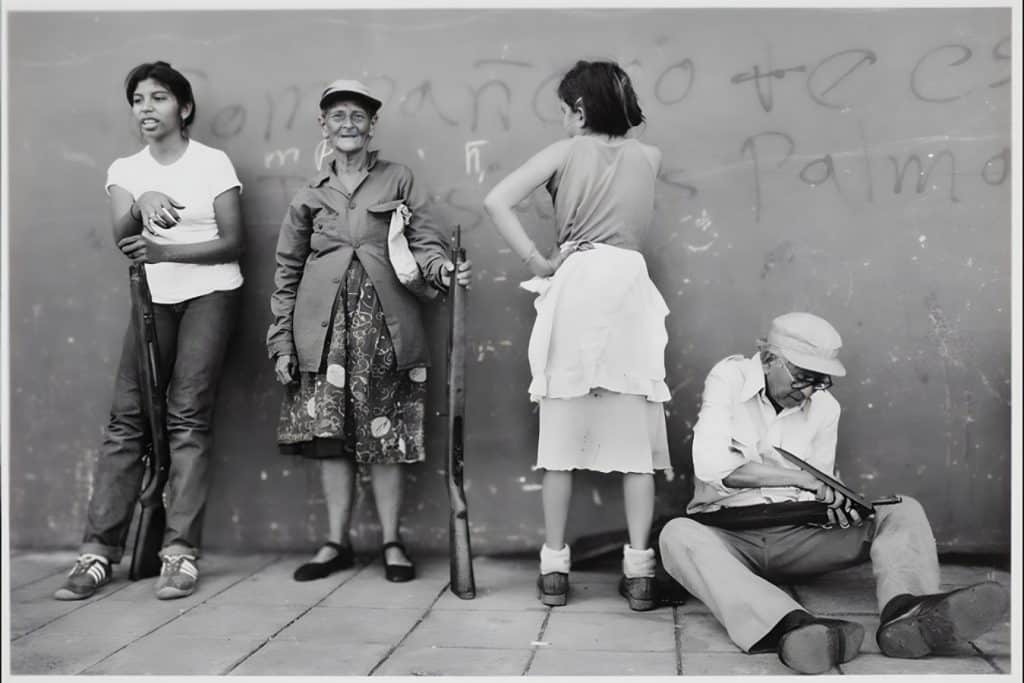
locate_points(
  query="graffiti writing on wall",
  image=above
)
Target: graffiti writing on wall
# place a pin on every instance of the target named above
(500, 95)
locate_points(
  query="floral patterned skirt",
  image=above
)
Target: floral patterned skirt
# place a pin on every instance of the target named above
(359, 405)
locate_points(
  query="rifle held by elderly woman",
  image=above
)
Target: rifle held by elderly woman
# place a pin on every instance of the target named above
(462, 583)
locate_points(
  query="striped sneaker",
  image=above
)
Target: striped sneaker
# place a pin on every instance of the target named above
(89, 573)
(178, 577)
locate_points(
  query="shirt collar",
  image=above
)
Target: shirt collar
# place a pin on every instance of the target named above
(753, 382)
(753, 385)
(327, 170)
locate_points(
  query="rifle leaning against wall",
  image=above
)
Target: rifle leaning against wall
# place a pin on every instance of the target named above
(151, 517)
(462, 583)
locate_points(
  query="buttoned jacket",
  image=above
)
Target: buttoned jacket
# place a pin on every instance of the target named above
(324, 227)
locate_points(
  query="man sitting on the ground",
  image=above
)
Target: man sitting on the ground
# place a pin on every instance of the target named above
(779, 397)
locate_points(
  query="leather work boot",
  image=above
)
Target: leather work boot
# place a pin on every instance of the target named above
(639, 592)
(553, 588)
(820, 644)
(942, 621)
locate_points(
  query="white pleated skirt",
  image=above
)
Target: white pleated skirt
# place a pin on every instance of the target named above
(597, 359)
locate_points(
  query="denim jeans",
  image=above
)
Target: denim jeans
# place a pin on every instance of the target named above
(193, 338)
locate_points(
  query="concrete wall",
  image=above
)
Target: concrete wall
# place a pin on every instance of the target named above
(853, 163)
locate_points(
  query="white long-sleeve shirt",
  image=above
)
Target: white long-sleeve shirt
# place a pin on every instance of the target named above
(737, 424)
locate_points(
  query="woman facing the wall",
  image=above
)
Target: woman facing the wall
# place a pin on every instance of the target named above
(597, 349)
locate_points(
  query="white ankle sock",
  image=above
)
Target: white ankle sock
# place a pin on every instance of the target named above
(554, 560)
(637, 563)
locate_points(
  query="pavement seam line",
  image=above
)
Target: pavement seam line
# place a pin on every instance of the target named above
(391, 651)
(180, 614)
(540, 635)
(36, 580)
(987, 657)
(302, 614)
(677, 639)
(78, 604)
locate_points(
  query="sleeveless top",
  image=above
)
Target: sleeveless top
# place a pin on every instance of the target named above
(604, 193)
(600, 320)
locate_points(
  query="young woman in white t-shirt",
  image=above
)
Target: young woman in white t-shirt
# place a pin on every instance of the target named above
(175, 207)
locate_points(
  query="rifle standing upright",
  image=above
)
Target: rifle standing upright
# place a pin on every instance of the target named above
(151, 517)
(462, 583)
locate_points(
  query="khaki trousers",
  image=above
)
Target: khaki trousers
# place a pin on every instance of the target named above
(734, 572)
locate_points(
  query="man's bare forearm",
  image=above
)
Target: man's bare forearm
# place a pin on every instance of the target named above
(755, 475)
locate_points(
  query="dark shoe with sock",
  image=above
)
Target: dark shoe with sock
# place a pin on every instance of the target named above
(819, 644)
(397, 573)
(344, 559)
(640, 593)
(942, 621)
(553, 588)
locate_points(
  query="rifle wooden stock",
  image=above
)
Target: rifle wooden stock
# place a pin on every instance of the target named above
(151, 515)
(462, 582)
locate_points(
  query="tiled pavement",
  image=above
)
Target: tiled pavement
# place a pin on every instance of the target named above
(248, 617)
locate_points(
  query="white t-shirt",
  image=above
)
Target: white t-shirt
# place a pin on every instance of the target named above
(194, 180)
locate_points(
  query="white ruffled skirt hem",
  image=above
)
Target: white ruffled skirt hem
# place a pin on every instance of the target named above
(602, 431)
(597, 356)
(600, 323)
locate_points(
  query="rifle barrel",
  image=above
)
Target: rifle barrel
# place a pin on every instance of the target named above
(462, 582)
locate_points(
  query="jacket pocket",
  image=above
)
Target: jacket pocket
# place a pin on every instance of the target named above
(386, 207)
(324, 219)
(379, 219)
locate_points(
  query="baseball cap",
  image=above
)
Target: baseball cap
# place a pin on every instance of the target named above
(807, 341)
(349, 86)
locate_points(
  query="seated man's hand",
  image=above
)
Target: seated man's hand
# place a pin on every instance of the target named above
(824, 493)
(840, 511)
(851, 512)
(840, 508)
(837, 508)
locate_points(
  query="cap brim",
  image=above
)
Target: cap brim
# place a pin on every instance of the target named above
(826, 366)
(352, 93)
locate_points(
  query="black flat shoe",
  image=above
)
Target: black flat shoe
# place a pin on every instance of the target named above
(319, 570)
(397, 573)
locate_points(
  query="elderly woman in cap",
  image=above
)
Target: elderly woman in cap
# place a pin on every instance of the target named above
(356, 255)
